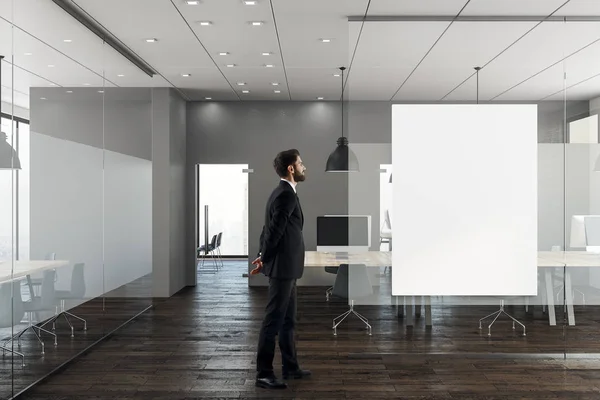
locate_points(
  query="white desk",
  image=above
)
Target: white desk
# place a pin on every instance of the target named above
(546, 260)
(369, 258)
(12, 271)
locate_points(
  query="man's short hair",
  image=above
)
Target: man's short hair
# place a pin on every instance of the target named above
(283, 160)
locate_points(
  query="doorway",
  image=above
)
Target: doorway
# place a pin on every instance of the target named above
(222, 210)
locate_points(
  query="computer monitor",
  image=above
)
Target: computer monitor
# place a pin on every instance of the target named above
(585, 232)
(344, 233)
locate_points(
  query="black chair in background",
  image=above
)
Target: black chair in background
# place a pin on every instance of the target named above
(204, 251)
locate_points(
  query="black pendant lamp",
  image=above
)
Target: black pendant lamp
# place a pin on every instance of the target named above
(342, 159)
(8, 156)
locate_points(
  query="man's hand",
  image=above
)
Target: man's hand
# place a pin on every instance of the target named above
(259, 265)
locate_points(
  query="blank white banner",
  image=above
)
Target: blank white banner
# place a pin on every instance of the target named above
(464, 200)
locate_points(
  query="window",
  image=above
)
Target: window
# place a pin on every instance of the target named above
(14, 203)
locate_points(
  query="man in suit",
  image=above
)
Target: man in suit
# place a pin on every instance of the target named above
(281, 258)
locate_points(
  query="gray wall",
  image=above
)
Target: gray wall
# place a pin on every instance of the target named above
(168, 192)
(118, 120)
(253, 132)
(145, 124)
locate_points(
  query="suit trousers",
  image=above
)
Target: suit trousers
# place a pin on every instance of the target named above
(279, 320)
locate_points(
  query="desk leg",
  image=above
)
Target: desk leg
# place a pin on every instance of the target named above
(409, 311)
(428, 311)
(400, 306)
(569, 298)
(550, 297)
(417, 306)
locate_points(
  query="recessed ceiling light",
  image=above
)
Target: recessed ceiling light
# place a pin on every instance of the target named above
(53, 84)
(86, 84)
(319, 98)
(100, 91)
(325, 40)
(192, 2)
(50, 66)
(241, 83)
(69, 91)
(276, 91)
(266, 53)
(250, 2)
(42, 98)
(67, 40)
(186, 75)
(275, 83)
(120, 75)
(208, 98)
(230, 65)
(151, 40)
(205, 23)
(257, 23)
(245, 91)
(337, 75)
(223, 53)
(28, 54)
(269, 65)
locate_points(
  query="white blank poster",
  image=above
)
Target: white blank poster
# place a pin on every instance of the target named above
(464, 200)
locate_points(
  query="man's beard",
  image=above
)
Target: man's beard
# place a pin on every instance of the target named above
(299, 177)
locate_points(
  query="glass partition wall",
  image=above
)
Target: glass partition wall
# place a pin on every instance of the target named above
(76, 193)
(516, 67)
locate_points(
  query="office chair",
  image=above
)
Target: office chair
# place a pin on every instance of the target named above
(203, 251)
(36, 283)
(11, 291)
(45, 302)
(77, 292)
(330, 270)
(218, 248)
(357, 287)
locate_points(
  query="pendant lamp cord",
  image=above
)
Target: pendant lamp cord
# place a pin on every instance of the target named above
(477, 74)
(342, 69)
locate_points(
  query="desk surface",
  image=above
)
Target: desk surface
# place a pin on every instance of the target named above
(369, 258)
(20, 269)
(546, 259)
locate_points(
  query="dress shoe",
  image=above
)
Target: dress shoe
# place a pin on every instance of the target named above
(297, 374)
(270, 382)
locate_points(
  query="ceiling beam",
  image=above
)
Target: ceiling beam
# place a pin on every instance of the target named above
(95, 27)
(471, 18)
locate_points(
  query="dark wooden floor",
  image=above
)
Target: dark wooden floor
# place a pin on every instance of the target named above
(103, 315)
(201, 344)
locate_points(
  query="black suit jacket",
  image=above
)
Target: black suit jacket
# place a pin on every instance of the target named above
(281, 240)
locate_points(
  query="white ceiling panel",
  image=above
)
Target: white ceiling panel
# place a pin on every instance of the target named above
(580, 8)
(301, 25)
(512, 7)
(390, 44)
(545, 83)
(464, 46)
(385, 56)
(133, 21)
(322, 84)
(545, 45)
(416, 7)
(209, 80)
(51, 26)
(257, 80)
(232, 32)
(588, 89)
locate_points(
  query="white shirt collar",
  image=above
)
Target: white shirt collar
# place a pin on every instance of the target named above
(291, 183)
